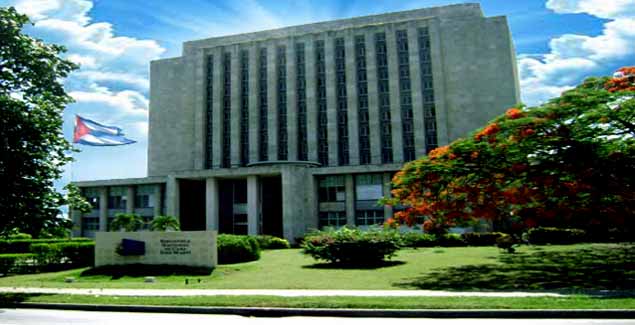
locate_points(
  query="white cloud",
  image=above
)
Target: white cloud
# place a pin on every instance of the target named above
(127, 102)
(574, 57)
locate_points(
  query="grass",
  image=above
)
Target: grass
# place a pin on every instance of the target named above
(573, 267)
(572, 302)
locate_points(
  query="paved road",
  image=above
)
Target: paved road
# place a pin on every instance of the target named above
(40, 316)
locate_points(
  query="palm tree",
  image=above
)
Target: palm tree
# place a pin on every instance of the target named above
(165, 223)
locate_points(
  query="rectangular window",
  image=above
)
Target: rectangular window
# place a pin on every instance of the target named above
(362, 100)
(117, 197)
(209, 106)
(301, 101)
(320, 64)
(340, 88)
(92, 196)
(430, 129)
(331, 189)
(332, 219)
(405, 95)
(263, 142)
(369, 217)
(281, 68)
(226, 110)
(244, 107)
(383, 89)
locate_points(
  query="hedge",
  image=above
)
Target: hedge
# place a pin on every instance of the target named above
(549, 235)
(482, 238)
(23, 246)
(272, 242)
(237, 249)
(67, 255)
(415, 239)
(352, 247)
(17, 263)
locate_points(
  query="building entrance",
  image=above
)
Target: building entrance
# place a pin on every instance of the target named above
(271, 203)
(192, 204)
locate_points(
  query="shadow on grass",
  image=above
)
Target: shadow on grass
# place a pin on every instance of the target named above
(8, 299)
(141, 270)
(353, 266)
(590, 269)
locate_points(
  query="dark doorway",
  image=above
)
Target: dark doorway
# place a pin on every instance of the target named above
(233, 206)
(271, 206)
(192, 204)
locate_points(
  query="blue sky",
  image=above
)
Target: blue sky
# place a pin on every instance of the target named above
(558, 43)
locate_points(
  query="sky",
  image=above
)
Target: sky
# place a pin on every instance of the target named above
(558, 44)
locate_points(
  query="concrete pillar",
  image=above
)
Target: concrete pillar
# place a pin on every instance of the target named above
(235, 107)
(253, 205)
(217, 109)
(211, 204)
(172, 197)
(386, 192)
(352, 104)
(157, 200)
(331, 99)
(130, 199)
(438, 76)
(254, 114)
(197, 67)
(103, 209)
(311, 98)
(272, 102)
(296, 188)
(76, 217)
(395, 102)
(373, 100)
(415, 87)
(292, 102)
(350, 199)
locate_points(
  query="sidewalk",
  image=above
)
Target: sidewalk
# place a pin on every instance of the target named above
(281, 293)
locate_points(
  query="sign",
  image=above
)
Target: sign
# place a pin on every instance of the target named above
(188, 248)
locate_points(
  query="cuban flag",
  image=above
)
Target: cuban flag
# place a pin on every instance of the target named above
(91, 133)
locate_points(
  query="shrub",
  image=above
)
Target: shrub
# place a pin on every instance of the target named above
(451, 240)
(481, 238)
(16, 263)
(126, 222)
(507, 242)
(237, 248)
(415, 239)
(352, 246)
(548, 235)
(64, 255)
(165, 223)
(272, 242)
(23, 246)
(20, 235)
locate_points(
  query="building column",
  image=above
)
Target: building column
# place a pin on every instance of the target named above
(217, 108)
(292, 102)
(349, 184)
(415, 86)
(157, 201)
(311, 97)
(387, 188)
(130, 199)
(272, 102)
(331, 100)
(252, 205)
(172, 197)
(374, 134)
(254, 114)
(438, 79)
(235, 146)
(395, 99)
(352, 103)
(103, 209)
(211, 204)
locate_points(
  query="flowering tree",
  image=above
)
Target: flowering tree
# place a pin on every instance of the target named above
(569, 162)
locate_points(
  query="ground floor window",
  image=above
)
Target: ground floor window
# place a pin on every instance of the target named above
(90, 224)
(332, 219)
(369, 217)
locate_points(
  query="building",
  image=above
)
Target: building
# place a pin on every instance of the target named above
(280, 131)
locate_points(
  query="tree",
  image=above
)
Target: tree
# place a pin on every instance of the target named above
(165, 223)
(126, 222)
(568, 162)
(32, 147)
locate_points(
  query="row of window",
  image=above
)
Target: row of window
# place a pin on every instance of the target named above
(383, 93)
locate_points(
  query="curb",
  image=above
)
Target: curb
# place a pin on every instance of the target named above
(322, 312)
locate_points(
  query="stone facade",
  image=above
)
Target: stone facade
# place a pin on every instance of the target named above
(290, 129)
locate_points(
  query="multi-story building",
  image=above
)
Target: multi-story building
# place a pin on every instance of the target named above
(280, 131)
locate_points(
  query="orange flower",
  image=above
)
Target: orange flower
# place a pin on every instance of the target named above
(487, 131)
(527, 132)
(514, 113)
(439, 152)
(474, 155)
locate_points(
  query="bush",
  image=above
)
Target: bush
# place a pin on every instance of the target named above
(507, 243)
(482, 238)
(20, 235)
(451, 240)
(64, 255)
(16, 263)
(272, 242)
(548, 235)
(23, 246)
(354, 247)
(415, 239)
(237, 248)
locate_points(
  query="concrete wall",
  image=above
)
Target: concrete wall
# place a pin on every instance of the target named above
(171, 135)
(478, 72)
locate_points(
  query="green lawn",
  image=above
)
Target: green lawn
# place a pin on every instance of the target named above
(587, 266)
(573, 302)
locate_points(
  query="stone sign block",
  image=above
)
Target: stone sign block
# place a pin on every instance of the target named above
(189, 248)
